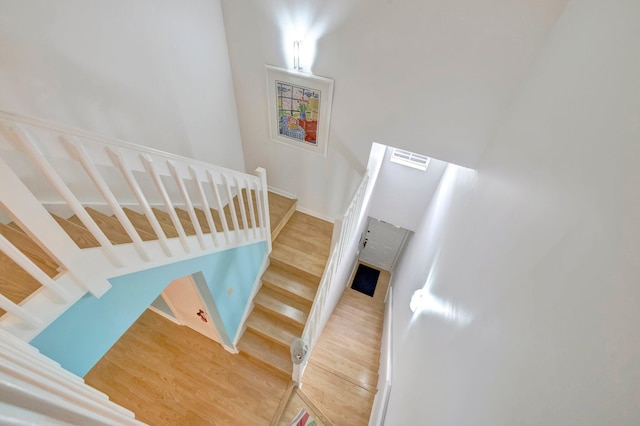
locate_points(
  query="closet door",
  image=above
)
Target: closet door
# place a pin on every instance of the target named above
(187, 304)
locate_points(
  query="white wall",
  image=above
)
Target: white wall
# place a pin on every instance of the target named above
(402, 194)
(431, 76)
(534, 261)
(153, 72)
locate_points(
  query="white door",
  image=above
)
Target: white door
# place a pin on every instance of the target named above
(382, 244)
(186, 302)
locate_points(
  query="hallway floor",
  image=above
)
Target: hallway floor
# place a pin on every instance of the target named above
(171, 375)
(342, 373)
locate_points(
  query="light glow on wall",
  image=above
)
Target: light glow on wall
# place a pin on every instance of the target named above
(423, 300)
(299, 23)
(306, 49)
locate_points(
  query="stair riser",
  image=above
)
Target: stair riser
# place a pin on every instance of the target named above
(307, 303)
(280, 316)
(306, 276)
(266, 364)
(270, 338)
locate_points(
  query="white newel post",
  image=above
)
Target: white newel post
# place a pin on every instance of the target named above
(262, 174)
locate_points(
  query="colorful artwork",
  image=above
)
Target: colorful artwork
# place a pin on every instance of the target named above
(298, 110)
(299, 107)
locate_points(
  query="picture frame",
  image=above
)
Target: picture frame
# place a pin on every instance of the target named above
(299, 106)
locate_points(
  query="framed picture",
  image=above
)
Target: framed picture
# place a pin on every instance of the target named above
(299, 109)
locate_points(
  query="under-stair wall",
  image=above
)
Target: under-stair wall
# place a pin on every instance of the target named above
(148, 209)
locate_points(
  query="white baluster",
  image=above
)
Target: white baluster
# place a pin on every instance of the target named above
(33, 269)
(81, 155)
(148, 164)
(205, 206)
(187, 201)
(121, 164)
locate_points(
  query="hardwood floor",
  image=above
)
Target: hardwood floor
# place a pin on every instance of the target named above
(342, 373)
(171, 375)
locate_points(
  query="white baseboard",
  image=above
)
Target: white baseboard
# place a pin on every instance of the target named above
(281, 192)
(231, 350)
(314, 214)
(163, 314)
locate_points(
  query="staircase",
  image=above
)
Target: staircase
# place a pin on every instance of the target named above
(301, 248)
(18, 285)
(77, 209)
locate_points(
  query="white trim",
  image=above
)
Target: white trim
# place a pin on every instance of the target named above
(282, 192)
(315, 214)
(164, 314)
(385, 376)
(30, 381)
(231, 350)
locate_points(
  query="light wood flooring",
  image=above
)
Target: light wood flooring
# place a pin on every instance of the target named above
(171, 375)
(342, 373)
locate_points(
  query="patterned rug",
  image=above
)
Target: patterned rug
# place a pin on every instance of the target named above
(303, 419)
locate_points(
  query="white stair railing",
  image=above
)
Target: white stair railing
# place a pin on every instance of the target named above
(347, 234)
(36, 390)
(44, 164)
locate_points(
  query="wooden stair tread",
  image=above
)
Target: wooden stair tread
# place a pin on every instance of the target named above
(361, 300)
(272, 328)
(269, 353)
(348, 370)
(335, 342)
(79, 234)
(165, 223)
(307, 262)
(361, 314)
(364, 336)
(202, 220)
(15, 226)
(274, 303)
(352, 362)
(280, 211)
(142, 224)
(229, 216)
(110, 226)
(282, 281)
(185, 221)
(306, 243)
(305, 222)
(15, 283)
(30, 249)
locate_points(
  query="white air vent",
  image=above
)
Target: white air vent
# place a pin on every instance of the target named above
(410, 159)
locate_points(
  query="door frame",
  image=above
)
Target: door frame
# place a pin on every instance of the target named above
(200, 283)
(363, 239)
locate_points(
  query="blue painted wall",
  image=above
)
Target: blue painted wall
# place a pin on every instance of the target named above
(86, 331)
